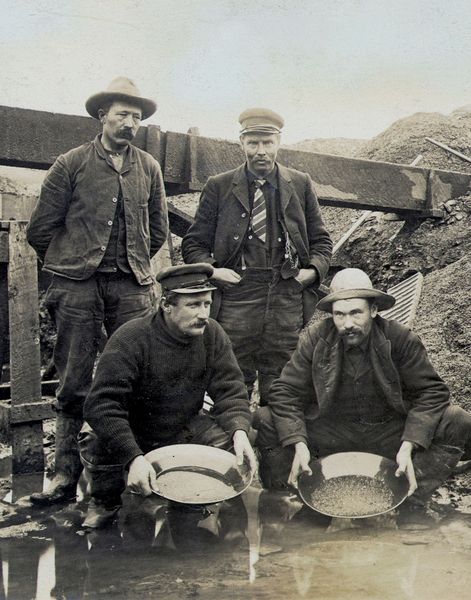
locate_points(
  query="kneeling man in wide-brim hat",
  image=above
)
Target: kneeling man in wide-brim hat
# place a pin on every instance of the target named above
(358, 382)
(149, 390)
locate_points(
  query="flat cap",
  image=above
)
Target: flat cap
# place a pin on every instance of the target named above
(186, 279)
(260, 120)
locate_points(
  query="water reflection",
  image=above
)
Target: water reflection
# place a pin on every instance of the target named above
(258, 546)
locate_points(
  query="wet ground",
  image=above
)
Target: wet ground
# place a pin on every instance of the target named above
(262, 545)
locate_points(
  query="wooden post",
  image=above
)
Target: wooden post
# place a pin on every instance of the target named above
(25, 361)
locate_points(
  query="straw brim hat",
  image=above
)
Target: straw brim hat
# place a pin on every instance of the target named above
(382, 300)
(120, 89)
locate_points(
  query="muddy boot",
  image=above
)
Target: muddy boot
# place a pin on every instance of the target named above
(105, 484)
(433, 467)
(101, 514)
(67, 464)
(275, 466)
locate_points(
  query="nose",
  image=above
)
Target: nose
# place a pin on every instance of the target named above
(348, 323)
(203, 313)
(128, 121)
(261, 149)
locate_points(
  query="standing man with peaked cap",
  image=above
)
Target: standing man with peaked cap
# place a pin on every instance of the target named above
(100, 218)
(149, 391)
(358, 382)
(261, 228)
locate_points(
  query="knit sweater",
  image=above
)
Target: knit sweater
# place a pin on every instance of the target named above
(150, 383)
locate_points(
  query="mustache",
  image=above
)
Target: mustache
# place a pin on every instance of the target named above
(127, 134)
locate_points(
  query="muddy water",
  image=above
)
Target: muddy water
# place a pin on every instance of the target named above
(278, 553)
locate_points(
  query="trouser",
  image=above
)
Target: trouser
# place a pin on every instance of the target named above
(263, 316)
(80, 309)
(451, 443)
(107, 479)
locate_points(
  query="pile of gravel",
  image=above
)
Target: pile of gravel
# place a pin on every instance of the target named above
(405, 139)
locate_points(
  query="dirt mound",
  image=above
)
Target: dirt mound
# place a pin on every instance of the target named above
(443, 320)
(405, 139)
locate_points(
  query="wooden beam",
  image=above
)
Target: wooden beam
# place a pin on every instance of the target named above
(34, 139)
(4, 247)
(25, 363)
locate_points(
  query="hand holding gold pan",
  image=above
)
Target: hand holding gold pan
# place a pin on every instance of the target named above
(197, 474)
(353, 485)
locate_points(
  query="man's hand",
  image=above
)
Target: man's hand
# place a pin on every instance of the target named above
(141, 478)
(225, 277)
(306, 276)
(243, 447)
(404, 465)
(301, 459)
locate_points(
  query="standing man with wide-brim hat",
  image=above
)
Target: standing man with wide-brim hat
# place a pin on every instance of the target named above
(261, 228)
(358, 382)
(100, 218)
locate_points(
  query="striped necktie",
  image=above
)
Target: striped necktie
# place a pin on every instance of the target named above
(259, 212)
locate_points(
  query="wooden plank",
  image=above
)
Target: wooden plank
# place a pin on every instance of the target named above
(48, 388)
(17, 206)
(175, 170)
(24, 413)
(155, 144)
(407, 294)
(34, 139)
(25, 363)
(4, 247)
(32, 411)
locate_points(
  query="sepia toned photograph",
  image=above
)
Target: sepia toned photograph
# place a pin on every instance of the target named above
(235, 300)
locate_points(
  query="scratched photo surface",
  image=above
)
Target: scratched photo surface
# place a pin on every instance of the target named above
(376, 101)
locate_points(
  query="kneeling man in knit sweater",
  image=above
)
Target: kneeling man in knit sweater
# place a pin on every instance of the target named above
(149, 388)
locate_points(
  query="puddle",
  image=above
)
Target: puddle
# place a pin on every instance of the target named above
(277, 552)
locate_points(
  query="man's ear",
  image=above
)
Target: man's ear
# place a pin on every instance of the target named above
(101, 115)
(165, 305)
(374, 309)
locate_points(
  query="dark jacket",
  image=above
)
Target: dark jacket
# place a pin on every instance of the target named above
(150, 384)
(307, 386)
(71, 224)
(223, 219)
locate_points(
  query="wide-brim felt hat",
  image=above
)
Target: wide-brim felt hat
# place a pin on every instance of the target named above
(186, 279)
(354, 283)
(121, 89)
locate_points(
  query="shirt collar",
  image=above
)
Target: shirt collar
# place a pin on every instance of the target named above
(127, 155)
(271, 178)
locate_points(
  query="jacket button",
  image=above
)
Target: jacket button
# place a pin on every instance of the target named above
(250, 237)
(236, 237)
(115, 199)
(243, 215)
(110, 223)
(103, 248)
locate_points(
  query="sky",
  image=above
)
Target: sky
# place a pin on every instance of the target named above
(331, 68)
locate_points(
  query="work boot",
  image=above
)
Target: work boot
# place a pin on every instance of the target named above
(433, 467)
(274, 469)
(68, 467)
(101, 514)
